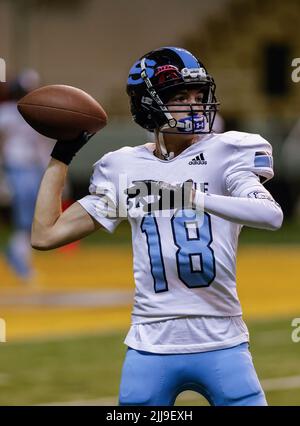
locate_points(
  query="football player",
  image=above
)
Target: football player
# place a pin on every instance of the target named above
(187, 196)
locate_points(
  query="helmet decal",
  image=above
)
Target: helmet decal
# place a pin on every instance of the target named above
(135, 71)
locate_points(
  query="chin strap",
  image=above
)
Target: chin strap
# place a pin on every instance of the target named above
(166, 155)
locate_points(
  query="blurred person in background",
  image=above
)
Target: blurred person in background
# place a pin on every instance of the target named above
(24, 157)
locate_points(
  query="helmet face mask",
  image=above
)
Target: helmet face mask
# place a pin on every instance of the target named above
(156, 78)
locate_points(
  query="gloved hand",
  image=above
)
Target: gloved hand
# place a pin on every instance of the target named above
(164, 196)
(64, 151)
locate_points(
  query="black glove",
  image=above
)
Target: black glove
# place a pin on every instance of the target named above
(64, 151)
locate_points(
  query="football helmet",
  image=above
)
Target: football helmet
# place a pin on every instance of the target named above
(156, 77)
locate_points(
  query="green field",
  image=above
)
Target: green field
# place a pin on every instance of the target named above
(53, 354)
(87, 369)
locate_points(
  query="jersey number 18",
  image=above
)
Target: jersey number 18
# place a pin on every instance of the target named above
(191, 249)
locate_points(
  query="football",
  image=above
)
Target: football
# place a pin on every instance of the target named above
(62, 112)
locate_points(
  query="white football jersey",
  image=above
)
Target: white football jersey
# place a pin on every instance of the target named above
(184, 263)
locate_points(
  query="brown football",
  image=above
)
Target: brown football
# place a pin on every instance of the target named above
(62, 112)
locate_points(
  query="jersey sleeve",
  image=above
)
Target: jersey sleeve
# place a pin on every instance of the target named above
(102, 203)
(251, 153)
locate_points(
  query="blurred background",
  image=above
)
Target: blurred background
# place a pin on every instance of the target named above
(67, 311)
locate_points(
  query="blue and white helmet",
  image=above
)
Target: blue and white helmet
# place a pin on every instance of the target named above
(156, 77)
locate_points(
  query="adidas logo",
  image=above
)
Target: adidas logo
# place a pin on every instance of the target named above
(198, 160)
